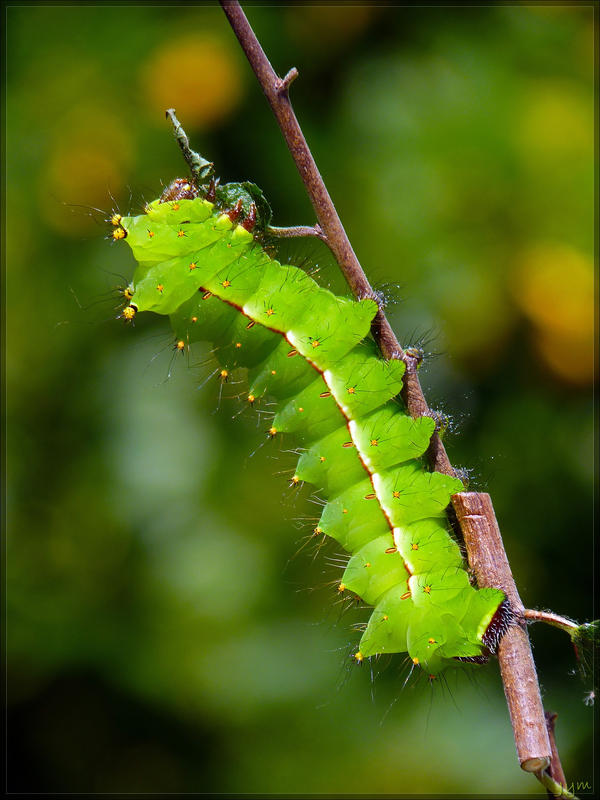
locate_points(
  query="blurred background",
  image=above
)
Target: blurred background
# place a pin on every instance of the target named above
(163, 632)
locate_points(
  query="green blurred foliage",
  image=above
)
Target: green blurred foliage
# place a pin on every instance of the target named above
(161, 635)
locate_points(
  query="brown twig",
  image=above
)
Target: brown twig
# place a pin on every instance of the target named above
(555, 769)
(550, 618)
(482, 536)
(297, 230)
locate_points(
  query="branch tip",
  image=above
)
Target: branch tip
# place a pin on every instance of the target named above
(283, 84)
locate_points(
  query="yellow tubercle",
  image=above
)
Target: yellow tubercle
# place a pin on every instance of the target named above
(128, 313)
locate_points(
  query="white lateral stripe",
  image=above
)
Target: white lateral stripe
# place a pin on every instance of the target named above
(376, 479)
(327, 377)
(353, 427)
(378, 486)
(397, 533)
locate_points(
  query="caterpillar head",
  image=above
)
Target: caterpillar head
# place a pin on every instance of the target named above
(179, 189)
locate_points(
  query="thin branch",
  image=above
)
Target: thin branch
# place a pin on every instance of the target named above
(553, 787)
(550, 618)
(489, 564)
(555, 770)
(297, 230)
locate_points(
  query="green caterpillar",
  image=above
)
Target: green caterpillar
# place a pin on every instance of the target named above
(202, 261)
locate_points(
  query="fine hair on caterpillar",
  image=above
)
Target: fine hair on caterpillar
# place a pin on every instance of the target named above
(203, 263)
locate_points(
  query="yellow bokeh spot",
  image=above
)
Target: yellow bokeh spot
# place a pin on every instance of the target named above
(553, 285)
(87, 163)
(199, 75)
(79, 176)
(557, 119)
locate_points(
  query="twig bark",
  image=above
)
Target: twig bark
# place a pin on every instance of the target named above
(297, 230)
(480, 529)
(488, 560)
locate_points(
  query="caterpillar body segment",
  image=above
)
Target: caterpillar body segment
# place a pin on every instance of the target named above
(310, 352)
